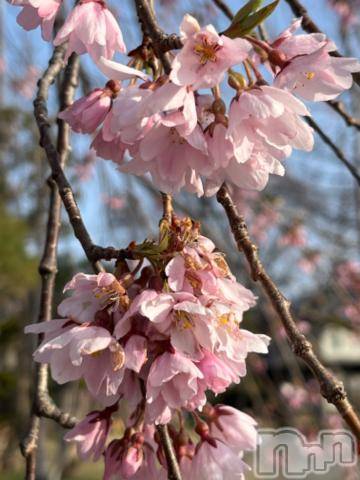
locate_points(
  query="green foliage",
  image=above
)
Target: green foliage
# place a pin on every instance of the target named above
(246, 10)
(248, 18)
(17, 268)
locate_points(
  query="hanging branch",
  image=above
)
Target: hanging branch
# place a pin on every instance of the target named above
(224, 8)
(340, 109)
(331, 388)
(43, 404)
(337, 150)
(93, 252)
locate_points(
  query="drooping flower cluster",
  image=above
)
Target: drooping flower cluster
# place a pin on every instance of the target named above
(169, 127)
(159, 337)
(188, 139)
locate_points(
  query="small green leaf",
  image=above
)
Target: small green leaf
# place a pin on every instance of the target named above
(246, 10)
(240, 29)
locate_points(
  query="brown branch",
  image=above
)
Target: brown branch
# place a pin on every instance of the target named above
(310, 26)
(167, 206)
(43, 405)
(166, 443)
(161, 41)
(338, 152)
(340, 109)
(93, 252)
(331, 388)
(224, 8)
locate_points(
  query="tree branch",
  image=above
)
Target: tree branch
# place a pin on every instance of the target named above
(93, 252)
(340, 109)
(224, 8)
(43, 405)
(338, 152)
(166, 443)
(331, 388)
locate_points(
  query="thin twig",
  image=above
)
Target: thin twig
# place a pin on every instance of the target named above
(339, 107)
(43, 405)
(161, 41)
(338, 152)
(93, 252)
(331, 388)
(167, 206)
(310, 26)
(224, 8)
(172, 464)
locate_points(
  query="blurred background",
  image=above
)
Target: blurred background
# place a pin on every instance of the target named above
(307, 225)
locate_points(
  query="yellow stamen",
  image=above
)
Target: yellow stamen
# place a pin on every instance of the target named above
(310, 75)
(183, 320)
(207, 51)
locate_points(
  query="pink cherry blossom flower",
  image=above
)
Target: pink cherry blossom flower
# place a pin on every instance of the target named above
(205, 56)
(181, 317)
(124, 457)
(87, 113)
(90, 294)
(92, 28)
(233, 427)
(173, 383)
(218, 375)
(307, 68)
(90, 434)
(107, 145)
(196, 269)
(318, 76)
(80, 351)
(217, 460)
(266, 124)
(291, 46)
(38, 12)
(174, 159)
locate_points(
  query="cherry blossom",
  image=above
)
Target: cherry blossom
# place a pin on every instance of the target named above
(173, 382)
(91, 27)
(308, 69)
(38, 12)
(90, 434)
(87, 113)
(206, 56)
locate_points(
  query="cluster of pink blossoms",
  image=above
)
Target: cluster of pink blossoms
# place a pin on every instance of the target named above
(158, 337)
(185, 138)
(169, 127)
